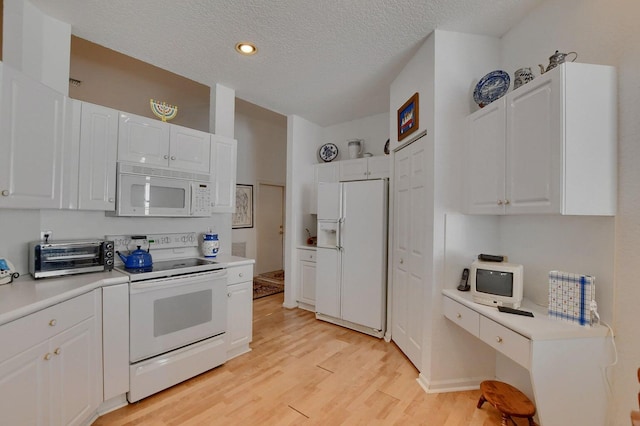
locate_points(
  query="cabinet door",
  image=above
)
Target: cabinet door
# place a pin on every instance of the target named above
(239, 314)
(189, 149)
(534, 148)
(75, 368)
(223, 174)
(307, 282)
(31, 141)
(353, 169)
(143, 140)
(484, 160)
(98, 151)
(324, 172)
(24, 387)
(378, 167)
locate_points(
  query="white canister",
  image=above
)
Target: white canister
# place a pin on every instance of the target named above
(355, 148)
(210, 245)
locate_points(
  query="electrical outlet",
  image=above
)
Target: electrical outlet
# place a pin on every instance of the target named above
(46, 235)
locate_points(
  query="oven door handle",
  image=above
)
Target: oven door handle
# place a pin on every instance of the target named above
(177, 281)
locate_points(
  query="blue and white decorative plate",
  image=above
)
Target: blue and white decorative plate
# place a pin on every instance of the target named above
(491, 87)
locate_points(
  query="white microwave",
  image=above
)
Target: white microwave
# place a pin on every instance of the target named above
(155, 191)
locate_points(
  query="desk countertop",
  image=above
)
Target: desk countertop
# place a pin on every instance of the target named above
(540, 327)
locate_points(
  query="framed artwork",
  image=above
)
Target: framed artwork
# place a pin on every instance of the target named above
(408, 117)
(243, 217)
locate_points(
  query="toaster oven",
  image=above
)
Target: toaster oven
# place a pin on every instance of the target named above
(56, 258)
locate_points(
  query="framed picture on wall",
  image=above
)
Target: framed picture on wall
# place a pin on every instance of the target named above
(408, 117)
(243, 217)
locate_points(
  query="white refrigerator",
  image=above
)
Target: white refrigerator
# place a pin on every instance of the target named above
(351, 261)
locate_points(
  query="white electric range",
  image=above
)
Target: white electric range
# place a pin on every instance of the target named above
(177, 312)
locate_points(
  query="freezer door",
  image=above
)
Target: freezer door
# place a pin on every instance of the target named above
(328, 271)
(329, 200)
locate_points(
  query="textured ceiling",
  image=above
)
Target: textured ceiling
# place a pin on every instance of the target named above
(329, 61)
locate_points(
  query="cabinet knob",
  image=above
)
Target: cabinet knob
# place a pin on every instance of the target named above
(166, 157)
(241, 275)
(5, 192)
(458, 316)
(401, 261)
(47, 357)
(111, 200)
(507, 202)
(53, 322)
(57, 351)
(499, 202)
(499, 339)
(173, 157)
(228, 294)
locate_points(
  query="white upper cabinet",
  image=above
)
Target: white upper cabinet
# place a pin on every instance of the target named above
(224, 152)
(153, 142)
(547, 147)
(364, 168)
(32, 142)
(98, 151)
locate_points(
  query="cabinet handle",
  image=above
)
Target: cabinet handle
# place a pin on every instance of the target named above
(5, 192)
(241, 275)
(499, 339)
(57, 351)
(111, 200)
(228, 294)
(47, 357)
(458, 316)
(401, 261)
(507, 202)
(173, 157)
(499, 202)
(53, 323)
(166, 157)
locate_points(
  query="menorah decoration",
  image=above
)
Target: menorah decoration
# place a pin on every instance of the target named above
(163, 110)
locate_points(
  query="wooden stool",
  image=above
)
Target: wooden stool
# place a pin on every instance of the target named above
(508, 400)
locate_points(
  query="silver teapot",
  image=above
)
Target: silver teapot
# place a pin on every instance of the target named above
(557, 59)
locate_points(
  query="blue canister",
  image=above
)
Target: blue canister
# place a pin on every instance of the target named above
(210, 244)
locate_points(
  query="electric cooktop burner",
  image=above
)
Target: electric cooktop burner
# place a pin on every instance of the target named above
(172, 267)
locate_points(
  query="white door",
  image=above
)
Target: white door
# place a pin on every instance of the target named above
(364, 253)
(190, 149)
(224, 152)
(98, 152)
(31, 143)
(270, 223)
(143, 140)
(409, 244)
(534, 156)
(484, 166)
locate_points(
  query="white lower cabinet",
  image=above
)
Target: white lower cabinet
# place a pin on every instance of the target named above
(239, 310)
(307, 279)
(50, 374)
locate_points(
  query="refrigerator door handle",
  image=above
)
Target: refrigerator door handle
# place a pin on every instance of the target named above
(339, 229)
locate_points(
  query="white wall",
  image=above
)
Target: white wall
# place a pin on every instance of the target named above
(374, 130)
(602, 32)
(262, 157)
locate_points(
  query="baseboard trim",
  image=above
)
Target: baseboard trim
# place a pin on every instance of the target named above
(357, 327)
(306, 307)
(456, 385)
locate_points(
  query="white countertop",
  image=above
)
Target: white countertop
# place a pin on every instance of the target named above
(540, 327)
(27, 295)
(304, 247)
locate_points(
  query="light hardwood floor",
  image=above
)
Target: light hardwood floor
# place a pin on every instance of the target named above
(302, 371)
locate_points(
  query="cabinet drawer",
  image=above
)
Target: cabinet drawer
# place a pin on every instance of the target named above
(463, 316)
(510, 343)
(42, 325)
(307, 255)
(239, 274)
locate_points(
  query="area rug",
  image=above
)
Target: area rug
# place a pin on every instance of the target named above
(268, 283)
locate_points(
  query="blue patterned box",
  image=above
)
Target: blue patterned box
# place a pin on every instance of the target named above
(570, 297)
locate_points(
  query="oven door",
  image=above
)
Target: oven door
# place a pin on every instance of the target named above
(170, 313)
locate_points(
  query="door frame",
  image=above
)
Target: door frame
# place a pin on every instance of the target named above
(259, 229)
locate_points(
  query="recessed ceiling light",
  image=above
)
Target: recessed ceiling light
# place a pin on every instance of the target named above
(246, 48)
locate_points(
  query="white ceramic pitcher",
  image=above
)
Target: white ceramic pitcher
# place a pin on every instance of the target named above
(355, 147)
